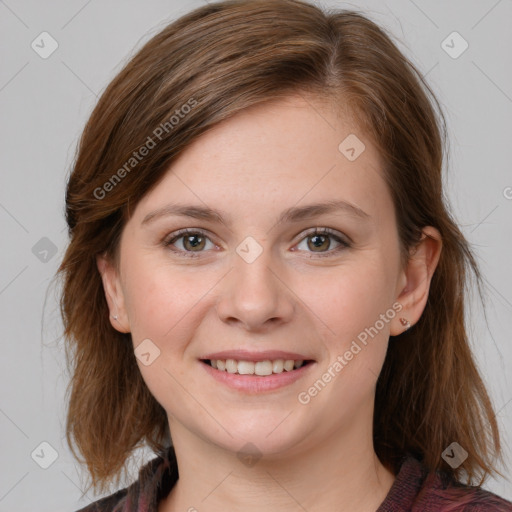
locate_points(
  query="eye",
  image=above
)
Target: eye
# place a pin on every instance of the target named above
(319, 242)
(191, 241)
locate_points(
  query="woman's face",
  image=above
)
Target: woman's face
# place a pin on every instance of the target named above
(251, 282)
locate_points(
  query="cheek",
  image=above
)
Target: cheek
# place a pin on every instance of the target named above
(162, 305)
(348, 299)
(358, 311)
(159, 299)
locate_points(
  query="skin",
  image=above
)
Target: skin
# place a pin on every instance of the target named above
(318, 455)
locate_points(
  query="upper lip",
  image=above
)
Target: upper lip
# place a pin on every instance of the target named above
(246, 355)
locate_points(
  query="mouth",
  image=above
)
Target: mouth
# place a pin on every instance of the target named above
(256, 372)
(263, 368)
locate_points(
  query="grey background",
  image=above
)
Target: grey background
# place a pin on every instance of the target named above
(44, 104)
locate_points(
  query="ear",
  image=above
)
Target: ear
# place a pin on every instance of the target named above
(113, 293)
(415, 279)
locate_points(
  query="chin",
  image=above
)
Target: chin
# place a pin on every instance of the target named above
(262, 432)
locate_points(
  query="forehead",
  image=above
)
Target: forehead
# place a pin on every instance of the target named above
(295, 150)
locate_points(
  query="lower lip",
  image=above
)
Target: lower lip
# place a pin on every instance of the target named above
(255, 383)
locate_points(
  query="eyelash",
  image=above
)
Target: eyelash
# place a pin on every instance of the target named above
(316, 231)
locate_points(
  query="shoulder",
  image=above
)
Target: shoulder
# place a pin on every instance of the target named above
(155, 481)
(440, 493)
(460, 498)
(418, 490)
(113, 503)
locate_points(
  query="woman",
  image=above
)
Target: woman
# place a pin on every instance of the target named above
(262, 268)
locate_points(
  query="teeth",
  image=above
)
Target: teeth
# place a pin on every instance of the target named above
(288, 365)
(278, 366)
(261, 368)
(231, 366)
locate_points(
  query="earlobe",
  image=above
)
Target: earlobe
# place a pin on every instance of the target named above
(113, 293)
(417, 275)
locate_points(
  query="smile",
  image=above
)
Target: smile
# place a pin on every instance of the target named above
(255, 373)
(261, 368)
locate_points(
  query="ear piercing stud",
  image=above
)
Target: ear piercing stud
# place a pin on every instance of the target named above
(405, 323)
(114, 317)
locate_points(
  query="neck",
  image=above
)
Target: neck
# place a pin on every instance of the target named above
(341, 474)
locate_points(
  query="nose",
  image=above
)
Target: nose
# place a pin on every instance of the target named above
(255, 295)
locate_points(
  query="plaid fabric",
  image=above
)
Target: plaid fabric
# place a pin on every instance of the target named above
(414, 490)
(155, 481)
(417, 490)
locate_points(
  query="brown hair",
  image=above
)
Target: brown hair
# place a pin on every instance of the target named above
(205, 67)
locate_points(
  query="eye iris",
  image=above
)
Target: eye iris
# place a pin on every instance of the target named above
(194, 242)
(189, 240)
(317, 244)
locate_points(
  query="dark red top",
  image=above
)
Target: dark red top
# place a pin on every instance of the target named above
(414, 490)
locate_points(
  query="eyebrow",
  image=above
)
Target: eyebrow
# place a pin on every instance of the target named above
(290, 215)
